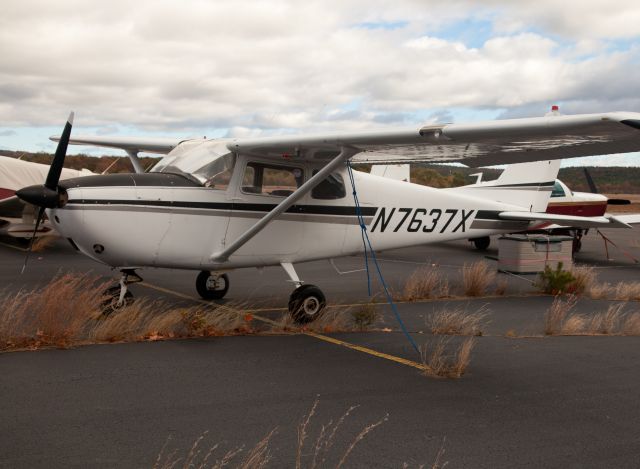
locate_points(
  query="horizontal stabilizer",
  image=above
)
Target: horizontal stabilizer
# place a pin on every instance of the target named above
(606, 221)
(631, 218)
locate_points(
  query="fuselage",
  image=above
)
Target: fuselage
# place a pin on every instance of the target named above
(177, 221)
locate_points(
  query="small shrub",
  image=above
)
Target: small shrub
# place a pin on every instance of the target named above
(555, 281)
(476, 278)
(365, 316)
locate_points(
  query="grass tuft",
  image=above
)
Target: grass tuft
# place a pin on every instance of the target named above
(457, 321)
(425, 283)
(56, 314)
(317, 447)
(560, 320)
(476, 278)
(438, 364)
(584, 278)
(556, 315)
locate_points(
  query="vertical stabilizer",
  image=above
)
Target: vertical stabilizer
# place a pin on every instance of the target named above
(527, 185)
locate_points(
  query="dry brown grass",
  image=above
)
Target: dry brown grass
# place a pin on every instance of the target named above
(600, 290)
(457, 321)
(476, 278)
(318, 446)
(630, 324)
(256, 458)
(438, 364)
(584, 279)
(67, 312)
(54, 315)
(627, 291)
(560, 320)
(556, 315)
(425, 283)
(332, 320)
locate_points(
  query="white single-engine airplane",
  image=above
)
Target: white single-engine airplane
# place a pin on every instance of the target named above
(221, 204)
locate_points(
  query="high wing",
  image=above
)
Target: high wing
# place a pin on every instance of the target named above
(476, 144)
(129, 144)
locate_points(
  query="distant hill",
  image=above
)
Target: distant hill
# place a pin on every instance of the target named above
(610, 180)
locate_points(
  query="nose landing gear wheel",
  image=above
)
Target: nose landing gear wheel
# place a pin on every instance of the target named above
(211, 286)
(306, 304)
(112, 297)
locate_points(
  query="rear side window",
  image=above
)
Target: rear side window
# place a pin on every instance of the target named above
(557, 191)
(279, 181)
(330, 189)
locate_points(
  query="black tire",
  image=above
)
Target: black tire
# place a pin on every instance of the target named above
(482, 244)
(306, 304)
(210, 288)
(110, 303)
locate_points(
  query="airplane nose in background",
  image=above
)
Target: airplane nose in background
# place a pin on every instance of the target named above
(40, 196)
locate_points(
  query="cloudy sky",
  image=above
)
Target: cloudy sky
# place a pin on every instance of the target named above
(236, 68)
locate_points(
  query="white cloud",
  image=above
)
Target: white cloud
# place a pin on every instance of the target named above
(249, 67)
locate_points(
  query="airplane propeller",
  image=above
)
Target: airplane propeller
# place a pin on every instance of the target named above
(594, 190)
(48, 195)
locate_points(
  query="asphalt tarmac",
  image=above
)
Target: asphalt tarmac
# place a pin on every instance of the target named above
(530, 401)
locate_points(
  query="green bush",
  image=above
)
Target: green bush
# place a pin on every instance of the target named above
(556, 281)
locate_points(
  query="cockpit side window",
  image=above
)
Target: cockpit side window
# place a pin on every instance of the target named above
(557, 191)
(329, 189)
(279, 181)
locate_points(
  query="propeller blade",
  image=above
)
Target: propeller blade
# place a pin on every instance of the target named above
(592, 185)
(58, 161)
(33, 237)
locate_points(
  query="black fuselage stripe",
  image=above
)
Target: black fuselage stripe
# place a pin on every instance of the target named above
(304, 209)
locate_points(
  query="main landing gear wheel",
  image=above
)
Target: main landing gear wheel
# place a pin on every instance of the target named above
(112, 303)
(212, 286)
(481, 244)
(306, 304)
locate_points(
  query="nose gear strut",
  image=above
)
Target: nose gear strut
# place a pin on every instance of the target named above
(119, 296)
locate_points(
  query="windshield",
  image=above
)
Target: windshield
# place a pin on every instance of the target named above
(209, 162)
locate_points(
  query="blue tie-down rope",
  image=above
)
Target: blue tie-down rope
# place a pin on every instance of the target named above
(369, 248)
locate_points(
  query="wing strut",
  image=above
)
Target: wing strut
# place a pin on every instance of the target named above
(135, 162)
(345, 154)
